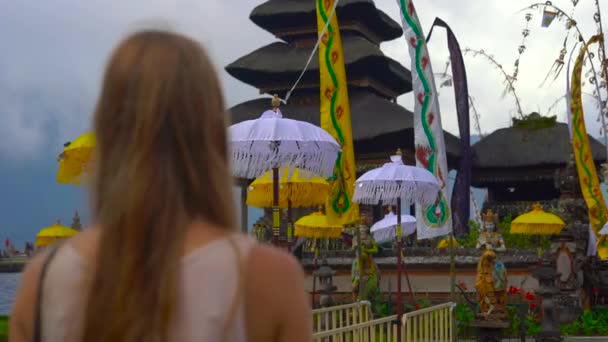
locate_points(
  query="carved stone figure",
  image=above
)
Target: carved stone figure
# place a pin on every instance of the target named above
(327, 287)
(491, 285)
(489, 237)
(564, 262)
(366, 272)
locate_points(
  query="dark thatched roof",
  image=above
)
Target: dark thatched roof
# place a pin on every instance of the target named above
(280, 15)
(521, 147)
(281, 64)
(378, 124)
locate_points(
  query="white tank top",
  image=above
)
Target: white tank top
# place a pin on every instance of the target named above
(209, 283)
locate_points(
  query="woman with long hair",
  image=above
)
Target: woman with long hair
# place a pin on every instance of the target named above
(164, 261)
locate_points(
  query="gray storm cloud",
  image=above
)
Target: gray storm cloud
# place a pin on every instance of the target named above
(53, 54)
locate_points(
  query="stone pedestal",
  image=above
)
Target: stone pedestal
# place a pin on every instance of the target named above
(489, 331)
(547, 276)
(327, 287)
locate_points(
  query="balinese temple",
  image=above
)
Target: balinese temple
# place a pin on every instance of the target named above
(532, 162)
(523, 164)
(380, 125)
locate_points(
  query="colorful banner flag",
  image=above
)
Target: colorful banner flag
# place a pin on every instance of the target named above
(335, 116)
(585, 165)
(433, 220)
(568, 101)
(548, 17)
(461, 194)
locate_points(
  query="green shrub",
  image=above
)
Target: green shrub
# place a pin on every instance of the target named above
(464, 317)
(591, 323)
(517, 241)
(4, 321)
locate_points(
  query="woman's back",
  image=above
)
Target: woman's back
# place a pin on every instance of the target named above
(210, 305)
(161, 194)
(230, 290)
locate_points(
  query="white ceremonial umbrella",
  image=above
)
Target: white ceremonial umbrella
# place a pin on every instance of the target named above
(386, 229)
(272, 142)
(394, 181)
(604, 230)
(391, 183)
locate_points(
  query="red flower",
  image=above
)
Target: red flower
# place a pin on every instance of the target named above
(530, 296)
(596, 291)
(512, 290)
(463, 285)
(533, 306)
(417, 306)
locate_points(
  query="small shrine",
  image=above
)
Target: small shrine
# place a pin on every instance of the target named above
(534, 156)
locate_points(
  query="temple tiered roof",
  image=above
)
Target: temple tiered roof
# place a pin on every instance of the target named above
(275, 67)
(375, 81)
(292, 20)
(378, 124)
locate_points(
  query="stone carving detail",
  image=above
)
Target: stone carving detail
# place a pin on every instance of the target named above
(490, 237)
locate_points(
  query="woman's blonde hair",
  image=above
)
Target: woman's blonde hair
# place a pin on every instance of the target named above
(161, 164)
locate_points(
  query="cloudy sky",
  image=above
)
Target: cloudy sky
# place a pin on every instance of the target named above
(53, 53)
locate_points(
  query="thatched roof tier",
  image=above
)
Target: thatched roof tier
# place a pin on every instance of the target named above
(512, 148)
(275, 67)
(292, 19)
(379, 126)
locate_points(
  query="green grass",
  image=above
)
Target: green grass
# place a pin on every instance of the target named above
(4, 328)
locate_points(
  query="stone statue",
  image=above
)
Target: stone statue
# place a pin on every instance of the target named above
(489, 237)
(491, 285)
(366, 272)
(564, 261)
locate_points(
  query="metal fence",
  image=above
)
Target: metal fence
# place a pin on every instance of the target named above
(341, 316)
(431, 324)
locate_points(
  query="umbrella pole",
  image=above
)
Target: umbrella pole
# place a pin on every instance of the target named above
(452, 269)
(276, 215)
(399, 299)
(314, 276)
(401, 264)
(289, 226)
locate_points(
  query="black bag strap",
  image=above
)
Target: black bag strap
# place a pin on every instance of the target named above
(38, 308)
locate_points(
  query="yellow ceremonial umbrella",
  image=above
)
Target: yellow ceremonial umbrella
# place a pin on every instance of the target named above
(316, 226)
(74, 160)
(296, 191)
(537, 222)
(445, 243)
(49, 235)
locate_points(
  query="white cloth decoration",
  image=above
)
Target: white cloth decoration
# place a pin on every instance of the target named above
(592, 244)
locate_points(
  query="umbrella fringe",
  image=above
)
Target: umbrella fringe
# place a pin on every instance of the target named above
(301, 195)
(253, 159)
(387, 192)
(318, 232)
(536, 228)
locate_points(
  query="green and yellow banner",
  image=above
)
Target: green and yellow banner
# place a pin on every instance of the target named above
(335, 116)
(587, 174)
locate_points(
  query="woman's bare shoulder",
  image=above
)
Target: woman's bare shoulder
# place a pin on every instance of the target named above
(21, 324)
(276, 297)
(271, 264)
